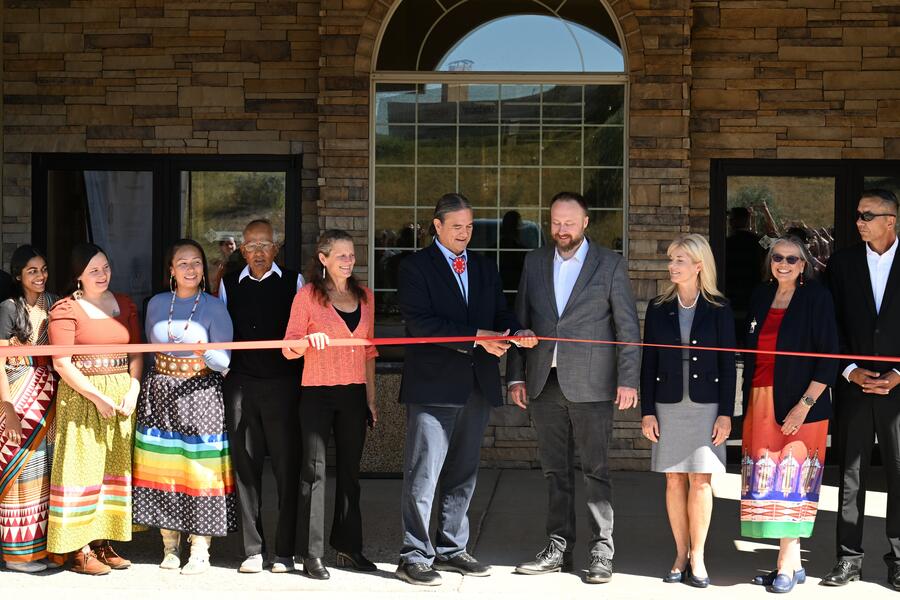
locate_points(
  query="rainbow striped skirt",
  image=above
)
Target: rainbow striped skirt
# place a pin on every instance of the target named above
(182, 467)
(90, 483)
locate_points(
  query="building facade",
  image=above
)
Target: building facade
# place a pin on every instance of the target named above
(134, 122)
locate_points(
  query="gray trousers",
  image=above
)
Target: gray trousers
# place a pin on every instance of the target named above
(443, 449)
(560, 426)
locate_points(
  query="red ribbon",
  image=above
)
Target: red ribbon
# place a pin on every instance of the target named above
(68, 350)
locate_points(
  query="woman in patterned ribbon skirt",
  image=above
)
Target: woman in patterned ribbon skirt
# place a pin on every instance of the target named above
(182, 469)
(786, 408)
(90, 484)
(27, 393)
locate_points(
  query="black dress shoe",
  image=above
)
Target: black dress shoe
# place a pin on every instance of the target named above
(694, 581)
(418, 574)
(674, 577)
(893, 575)
(600, 571)
(463, 563)
(549, 560)
(769, 577)
(354, 560)
(313, 567)
(843, 573)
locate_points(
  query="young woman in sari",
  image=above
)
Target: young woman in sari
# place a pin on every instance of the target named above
(27, 394)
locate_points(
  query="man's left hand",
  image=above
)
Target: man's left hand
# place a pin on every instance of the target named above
(527, 338)
(626, 397)
(884, 384)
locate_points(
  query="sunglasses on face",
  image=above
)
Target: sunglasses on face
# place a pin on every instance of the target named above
(791, 260)
(869, 216)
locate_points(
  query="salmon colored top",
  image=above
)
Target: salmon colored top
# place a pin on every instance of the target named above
(70, 324)
(336, 365)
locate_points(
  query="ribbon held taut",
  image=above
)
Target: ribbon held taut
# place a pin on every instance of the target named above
(69, 350)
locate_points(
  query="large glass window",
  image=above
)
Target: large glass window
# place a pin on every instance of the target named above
(509, 148)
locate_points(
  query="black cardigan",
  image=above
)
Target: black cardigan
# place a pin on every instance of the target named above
(808, 326)
(712, 378)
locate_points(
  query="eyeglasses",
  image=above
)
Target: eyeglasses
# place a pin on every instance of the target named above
(869, 216)
(258, 247)
(791, 260)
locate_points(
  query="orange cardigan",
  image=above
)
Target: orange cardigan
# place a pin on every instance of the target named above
(335, 365)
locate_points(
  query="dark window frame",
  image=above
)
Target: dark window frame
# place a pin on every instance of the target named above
(848, 174)
(166, 170)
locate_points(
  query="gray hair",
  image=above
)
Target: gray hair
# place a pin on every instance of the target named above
(808, 270)
(449, 203)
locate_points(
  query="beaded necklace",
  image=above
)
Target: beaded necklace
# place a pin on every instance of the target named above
(187, 324)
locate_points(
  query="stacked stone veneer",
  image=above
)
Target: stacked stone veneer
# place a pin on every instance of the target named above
(741, 78)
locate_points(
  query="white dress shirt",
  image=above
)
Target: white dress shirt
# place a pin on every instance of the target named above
(223, 296)
(879, 269)
(565, 274)
(462, 279)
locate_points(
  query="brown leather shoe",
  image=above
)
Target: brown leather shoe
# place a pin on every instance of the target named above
(108, 557)
(86, 563)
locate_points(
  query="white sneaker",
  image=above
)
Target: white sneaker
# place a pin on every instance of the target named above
(252, 564)
(170, 561)
(33, 566)
(195, 566)
(283, 564)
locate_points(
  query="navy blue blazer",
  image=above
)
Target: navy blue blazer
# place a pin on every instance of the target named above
(808, 326)
(433, 305)
(713, 378)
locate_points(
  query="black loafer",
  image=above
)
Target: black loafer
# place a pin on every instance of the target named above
(418, 574)
(313, 568)
(549, 560)
(463, 563)
(843, 573)
(354, 560)
(600, 571)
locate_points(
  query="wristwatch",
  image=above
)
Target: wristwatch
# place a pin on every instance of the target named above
(808, 400)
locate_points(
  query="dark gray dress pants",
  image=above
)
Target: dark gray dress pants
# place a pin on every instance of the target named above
(561, 426)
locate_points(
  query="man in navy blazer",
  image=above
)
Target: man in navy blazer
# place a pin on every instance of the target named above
(448, 388)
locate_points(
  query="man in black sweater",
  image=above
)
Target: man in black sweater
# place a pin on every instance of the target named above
(262, 396)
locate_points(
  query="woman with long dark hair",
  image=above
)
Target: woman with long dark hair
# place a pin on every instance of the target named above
(338, 394)
(27, 395)
(182, 467)
(90, 500)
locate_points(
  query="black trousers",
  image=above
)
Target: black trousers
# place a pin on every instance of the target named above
(858, 418)
(323, 409)
(262, 417)
(562, 425)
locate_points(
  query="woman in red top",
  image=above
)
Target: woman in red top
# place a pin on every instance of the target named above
(338, 393)
(786, 408)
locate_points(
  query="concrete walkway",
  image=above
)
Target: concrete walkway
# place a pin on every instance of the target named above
(508, 527)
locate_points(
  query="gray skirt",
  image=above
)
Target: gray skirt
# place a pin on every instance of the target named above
(685, 439)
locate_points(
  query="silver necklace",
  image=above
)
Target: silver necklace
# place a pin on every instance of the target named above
(187, 323)
(693, 304)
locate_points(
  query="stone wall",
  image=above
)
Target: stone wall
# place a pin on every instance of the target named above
(814, 79)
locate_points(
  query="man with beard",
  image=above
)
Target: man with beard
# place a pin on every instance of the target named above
(575, 289)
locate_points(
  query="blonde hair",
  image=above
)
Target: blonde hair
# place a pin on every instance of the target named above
(698, 250)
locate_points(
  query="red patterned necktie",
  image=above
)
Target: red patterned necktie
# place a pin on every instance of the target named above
(459, 265)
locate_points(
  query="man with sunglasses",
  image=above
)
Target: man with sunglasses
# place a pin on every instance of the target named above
(865, 282)
(262, 395)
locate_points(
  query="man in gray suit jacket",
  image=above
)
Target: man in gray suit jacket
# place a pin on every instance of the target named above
(575, 289)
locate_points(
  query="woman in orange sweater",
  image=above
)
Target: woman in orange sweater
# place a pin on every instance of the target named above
(338, 394)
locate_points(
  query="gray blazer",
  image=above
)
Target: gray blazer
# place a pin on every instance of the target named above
(601, 307)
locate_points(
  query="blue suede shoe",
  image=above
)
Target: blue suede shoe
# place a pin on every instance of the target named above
(782, 584)
(769, 577)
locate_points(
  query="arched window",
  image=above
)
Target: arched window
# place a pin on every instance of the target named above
(506, 101)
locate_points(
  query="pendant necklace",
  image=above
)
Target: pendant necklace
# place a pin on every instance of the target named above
(187, 324)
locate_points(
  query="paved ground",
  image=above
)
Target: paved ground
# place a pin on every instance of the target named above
(508, 521)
